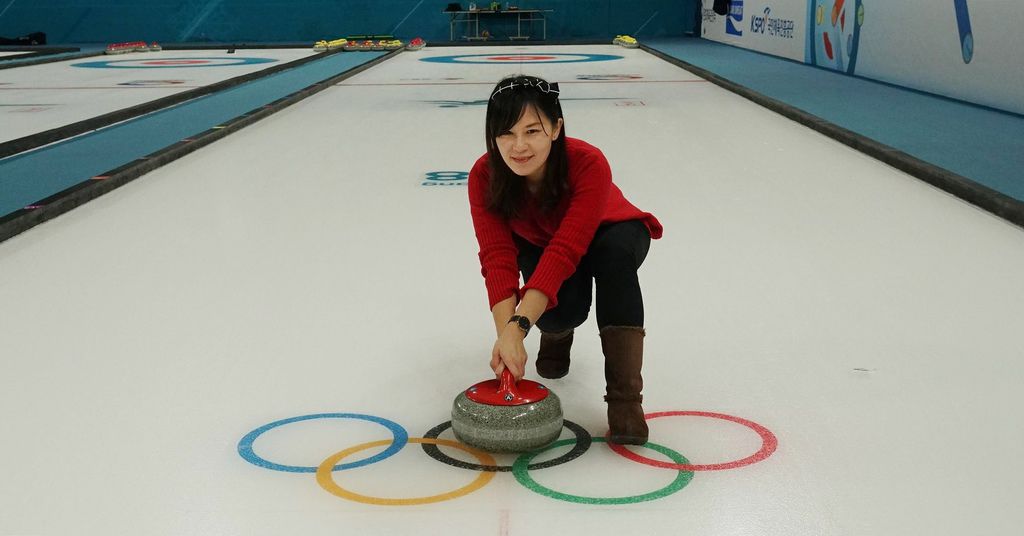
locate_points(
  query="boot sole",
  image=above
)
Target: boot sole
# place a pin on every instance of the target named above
(628, 440)
(552, 376)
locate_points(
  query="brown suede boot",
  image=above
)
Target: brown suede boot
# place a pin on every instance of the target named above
(553, 355)
(623, 348)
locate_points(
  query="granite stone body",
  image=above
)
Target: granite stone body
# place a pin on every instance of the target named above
(507, 428)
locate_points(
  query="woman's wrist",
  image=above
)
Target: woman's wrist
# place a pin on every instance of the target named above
(533, 305)
(513, 328)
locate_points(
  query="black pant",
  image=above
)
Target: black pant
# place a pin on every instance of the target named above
(611, 262)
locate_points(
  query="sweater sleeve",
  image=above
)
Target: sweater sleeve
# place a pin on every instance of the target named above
(498, 252)
(590, 181)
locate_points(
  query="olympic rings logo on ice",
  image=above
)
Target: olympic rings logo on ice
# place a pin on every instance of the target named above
(488, 467)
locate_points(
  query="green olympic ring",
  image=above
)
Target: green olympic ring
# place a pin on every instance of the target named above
(521, 471)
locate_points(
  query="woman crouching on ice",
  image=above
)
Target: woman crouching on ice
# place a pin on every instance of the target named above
(545, 205)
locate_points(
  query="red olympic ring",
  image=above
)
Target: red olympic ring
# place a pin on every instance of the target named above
(521, 58)
(768, 444)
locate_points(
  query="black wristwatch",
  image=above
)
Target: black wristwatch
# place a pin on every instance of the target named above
(523, 323)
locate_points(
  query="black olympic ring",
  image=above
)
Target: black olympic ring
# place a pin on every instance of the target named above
(583, 442)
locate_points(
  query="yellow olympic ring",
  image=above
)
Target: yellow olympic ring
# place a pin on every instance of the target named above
(325, 475)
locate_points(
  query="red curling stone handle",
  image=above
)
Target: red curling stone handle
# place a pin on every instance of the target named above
(507, 392)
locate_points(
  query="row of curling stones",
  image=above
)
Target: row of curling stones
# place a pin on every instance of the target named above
(507, 416)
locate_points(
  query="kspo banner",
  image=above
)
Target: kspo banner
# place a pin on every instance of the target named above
(774, 27)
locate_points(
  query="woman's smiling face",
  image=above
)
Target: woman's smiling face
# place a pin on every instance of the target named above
(526, 146)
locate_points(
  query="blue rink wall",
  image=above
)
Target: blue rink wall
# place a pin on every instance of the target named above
(91, 21)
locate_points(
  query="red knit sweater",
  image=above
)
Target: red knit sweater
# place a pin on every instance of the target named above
(564, 233)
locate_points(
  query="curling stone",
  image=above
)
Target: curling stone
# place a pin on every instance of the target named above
(416, 44)
(506, 416)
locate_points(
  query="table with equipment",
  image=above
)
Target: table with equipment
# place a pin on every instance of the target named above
(471, 20)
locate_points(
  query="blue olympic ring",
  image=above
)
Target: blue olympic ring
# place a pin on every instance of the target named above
(401, 438)
(583, 58)
(109, 64)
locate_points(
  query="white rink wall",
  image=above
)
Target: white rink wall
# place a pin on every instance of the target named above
(965, 49)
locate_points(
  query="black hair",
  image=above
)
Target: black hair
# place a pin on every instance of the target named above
(509, 100)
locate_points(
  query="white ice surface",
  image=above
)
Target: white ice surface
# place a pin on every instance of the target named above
(37, 98)
(298, 266)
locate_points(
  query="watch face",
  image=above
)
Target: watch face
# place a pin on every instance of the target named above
(522, 321)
